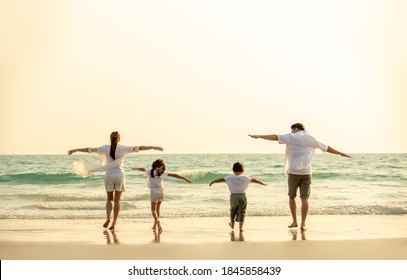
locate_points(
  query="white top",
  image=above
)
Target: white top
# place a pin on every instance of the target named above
(156, 182)
(238, 183)
(121, 152)
(300, 149)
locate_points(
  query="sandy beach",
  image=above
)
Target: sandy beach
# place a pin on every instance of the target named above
(265, 238)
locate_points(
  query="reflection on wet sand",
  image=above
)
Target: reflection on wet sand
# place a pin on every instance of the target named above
(233, 236)
(294, 233)
(111, 237)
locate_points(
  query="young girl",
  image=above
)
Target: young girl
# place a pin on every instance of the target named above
(155, 177)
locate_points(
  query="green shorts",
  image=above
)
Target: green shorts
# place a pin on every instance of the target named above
(299, 181)
(238, 204)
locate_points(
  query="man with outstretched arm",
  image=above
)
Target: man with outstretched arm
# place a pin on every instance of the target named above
(300, 149)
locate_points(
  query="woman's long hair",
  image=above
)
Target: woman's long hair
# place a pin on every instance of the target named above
(114, 140)
(157, 168)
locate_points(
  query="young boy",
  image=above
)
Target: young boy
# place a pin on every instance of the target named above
(237, 184)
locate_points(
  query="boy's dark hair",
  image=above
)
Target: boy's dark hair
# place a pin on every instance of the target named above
(300, 126)
(238, 167)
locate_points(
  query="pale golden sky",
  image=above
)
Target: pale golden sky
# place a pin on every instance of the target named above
(199, 76)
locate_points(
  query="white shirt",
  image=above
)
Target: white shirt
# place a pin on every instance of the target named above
(237, 183)
(121, 152)
(156, 182)
(300, 149)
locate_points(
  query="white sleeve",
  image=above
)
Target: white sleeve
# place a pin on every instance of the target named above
(283, 138)
(130, 149)
(322, 147)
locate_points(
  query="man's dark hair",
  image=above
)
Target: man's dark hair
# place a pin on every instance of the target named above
(300, 126)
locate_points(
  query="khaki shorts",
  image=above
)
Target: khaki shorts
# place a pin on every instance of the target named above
(238, 204)
(156, 194)
(115, 183)
(299, 181)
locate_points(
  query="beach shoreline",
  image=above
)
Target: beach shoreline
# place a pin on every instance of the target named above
(207, 238)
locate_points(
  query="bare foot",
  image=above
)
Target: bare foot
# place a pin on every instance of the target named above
(303, 227)
(232, 236)
(160, 229)
(293, 225)
(112, 227)
(232, 225)
(241, 230)
(106, 224)
(156, 236)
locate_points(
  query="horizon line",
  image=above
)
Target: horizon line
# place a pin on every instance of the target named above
(192, 153)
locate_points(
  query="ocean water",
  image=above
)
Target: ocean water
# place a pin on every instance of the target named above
(44, 187)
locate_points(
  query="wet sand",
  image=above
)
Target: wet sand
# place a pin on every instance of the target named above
(264, 238)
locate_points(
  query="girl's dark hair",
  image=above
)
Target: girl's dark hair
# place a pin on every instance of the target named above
(114, 140)
(158, 167)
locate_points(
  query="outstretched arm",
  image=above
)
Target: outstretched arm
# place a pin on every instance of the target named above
(219, 180)
(179, 177)
(139, 169)
(271, 137)
(258, 182)
(82, 150)
(333, 151)
(144, 148)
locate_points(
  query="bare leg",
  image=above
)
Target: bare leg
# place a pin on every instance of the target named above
(155, 211)
(232, 224)
(116, 208)
(293, 209)
(160, 229)
(109, 207)
(241, 226)
(304, 212)
(158, 207)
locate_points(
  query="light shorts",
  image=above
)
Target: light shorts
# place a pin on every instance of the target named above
(299, 181)
(157, 194)
(238, 204)
(115, 183)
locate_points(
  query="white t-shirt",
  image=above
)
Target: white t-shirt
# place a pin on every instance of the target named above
(237, 183)
(300, 149)
(156, 182)
(121, 152)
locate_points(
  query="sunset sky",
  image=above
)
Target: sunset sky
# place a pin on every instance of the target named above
(199, 76)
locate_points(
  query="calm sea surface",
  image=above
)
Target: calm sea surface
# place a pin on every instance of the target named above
(43, 186)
